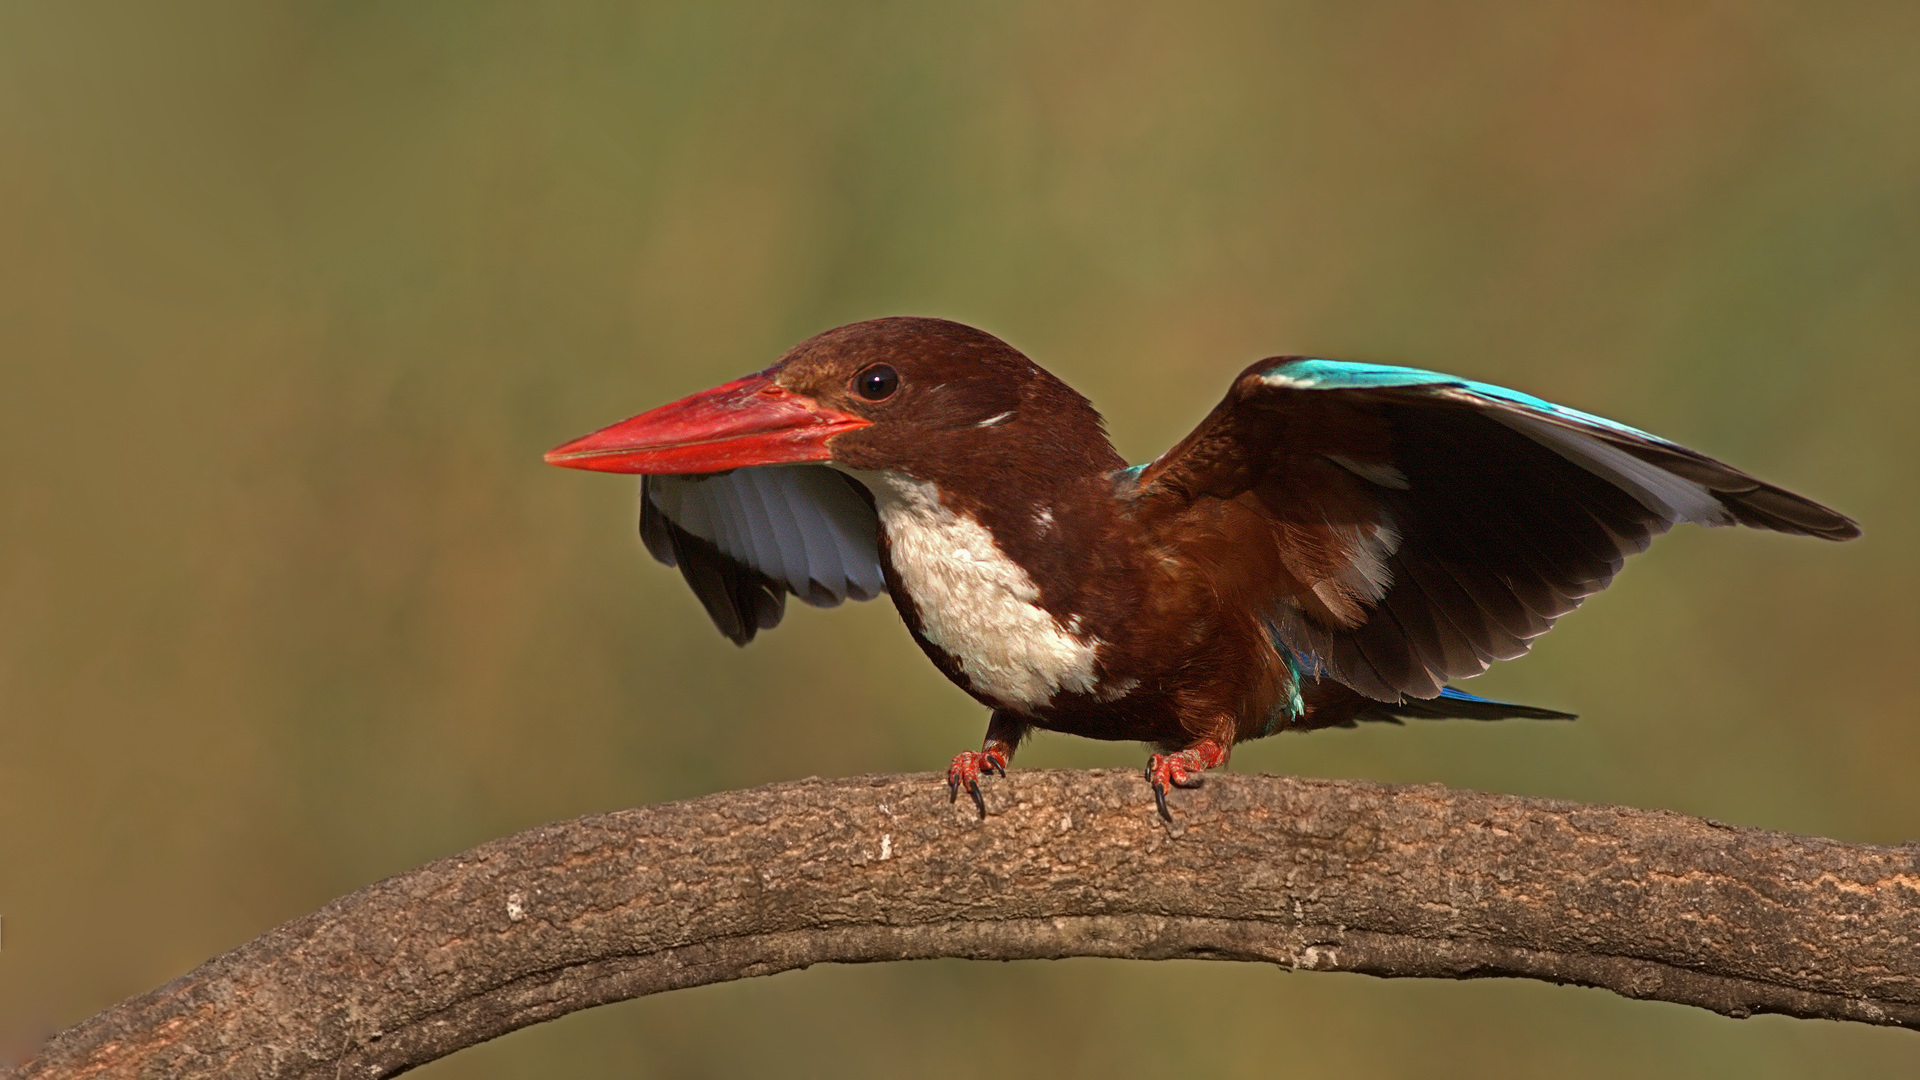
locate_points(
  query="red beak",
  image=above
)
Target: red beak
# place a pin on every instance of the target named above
(750, 421)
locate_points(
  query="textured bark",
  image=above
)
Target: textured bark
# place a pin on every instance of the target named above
(1330, 876)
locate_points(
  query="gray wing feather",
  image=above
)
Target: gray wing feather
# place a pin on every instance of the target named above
(782, 517)
(802, 529)
(843, 531)
(752, 514)
(819, 555)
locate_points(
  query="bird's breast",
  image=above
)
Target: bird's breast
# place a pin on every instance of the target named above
(977, 605)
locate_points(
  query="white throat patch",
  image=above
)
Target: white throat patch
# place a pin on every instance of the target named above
(977, 605)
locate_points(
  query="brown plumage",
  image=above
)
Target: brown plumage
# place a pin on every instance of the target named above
(1333, 543)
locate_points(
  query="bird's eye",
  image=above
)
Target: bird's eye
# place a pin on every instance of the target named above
(876, 383)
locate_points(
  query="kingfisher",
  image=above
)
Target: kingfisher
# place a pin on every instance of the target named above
(1336, 542)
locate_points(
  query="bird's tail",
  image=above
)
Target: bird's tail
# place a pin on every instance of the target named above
(1457, 705)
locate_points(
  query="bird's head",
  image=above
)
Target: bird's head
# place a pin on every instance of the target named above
(897, 393)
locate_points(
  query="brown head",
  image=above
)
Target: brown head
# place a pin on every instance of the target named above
(927, 397)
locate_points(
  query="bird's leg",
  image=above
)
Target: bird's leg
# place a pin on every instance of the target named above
(1179, 769)
(1004, 732)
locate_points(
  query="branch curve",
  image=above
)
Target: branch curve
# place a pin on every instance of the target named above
(1314, 874)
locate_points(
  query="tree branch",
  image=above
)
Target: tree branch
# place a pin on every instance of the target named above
(1331, 876)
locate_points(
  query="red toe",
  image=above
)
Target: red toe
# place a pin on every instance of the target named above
(1178, 770)
(967, 768)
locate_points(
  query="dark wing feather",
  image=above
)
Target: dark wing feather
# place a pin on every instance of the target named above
(1429, 525)
(745, 539)
(740, 600)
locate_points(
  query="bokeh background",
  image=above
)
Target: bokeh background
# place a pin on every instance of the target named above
(292, 297)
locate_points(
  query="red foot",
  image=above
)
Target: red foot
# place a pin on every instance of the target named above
(1177, 770)
(970, 766)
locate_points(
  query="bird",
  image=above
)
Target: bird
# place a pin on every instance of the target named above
(1335, 542)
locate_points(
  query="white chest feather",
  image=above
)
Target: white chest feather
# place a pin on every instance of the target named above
(977, 605)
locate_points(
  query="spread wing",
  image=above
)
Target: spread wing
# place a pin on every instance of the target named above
(1428, 525)
(745, 539)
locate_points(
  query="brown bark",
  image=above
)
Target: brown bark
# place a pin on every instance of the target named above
(1331, 876)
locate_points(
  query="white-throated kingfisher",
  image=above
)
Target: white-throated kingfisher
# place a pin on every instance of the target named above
(1333, 543)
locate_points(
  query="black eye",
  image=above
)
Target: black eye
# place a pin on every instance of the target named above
(876, 383)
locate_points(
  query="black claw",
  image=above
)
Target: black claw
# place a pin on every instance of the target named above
(973, 789)
(1160, 799)
(997, 767)
(953, 789)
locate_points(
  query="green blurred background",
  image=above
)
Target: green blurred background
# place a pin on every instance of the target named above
(292, 297)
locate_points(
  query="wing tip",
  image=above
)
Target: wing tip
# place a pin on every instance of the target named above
(1764, 506)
